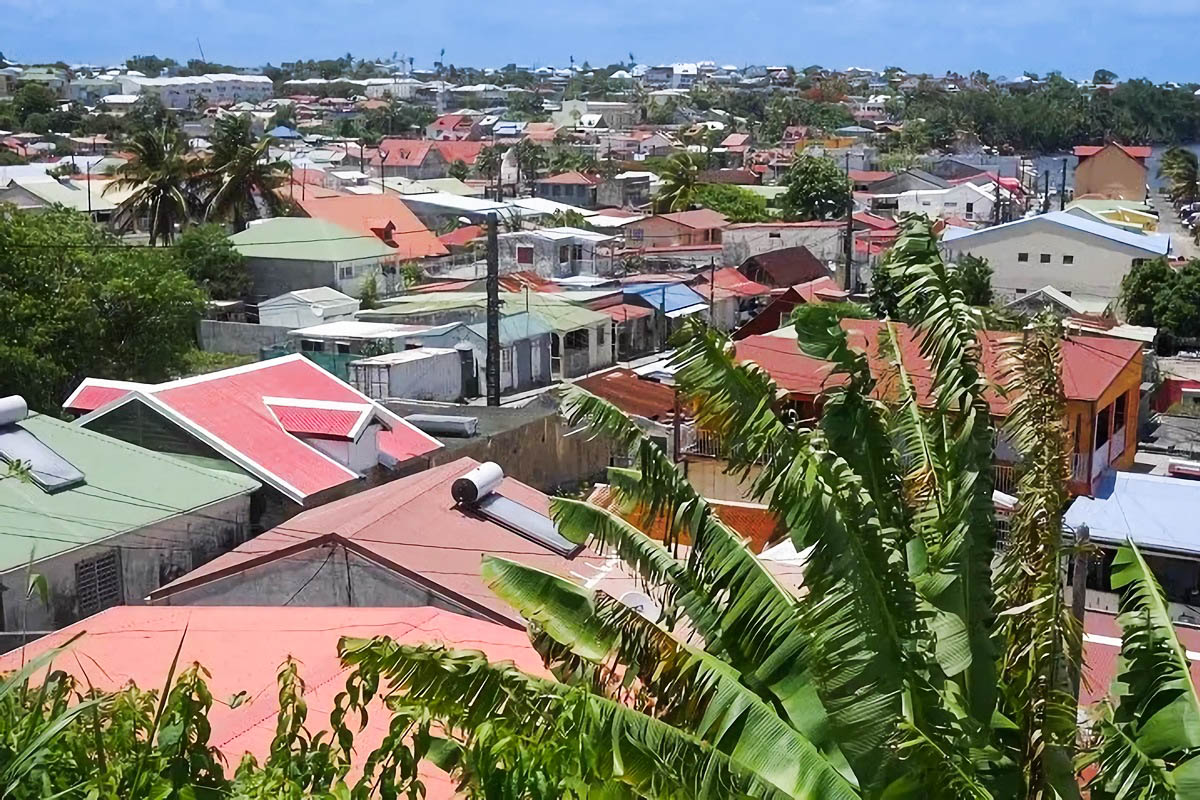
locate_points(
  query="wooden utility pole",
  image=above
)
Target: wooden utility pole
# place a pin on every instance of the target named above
(848, 246)
(492, 368)
(1046, 201)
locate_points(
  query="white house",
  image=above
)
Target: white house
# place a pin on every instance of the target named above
(1075, 255)
(304, 308)
(966, 201)
(183, 91)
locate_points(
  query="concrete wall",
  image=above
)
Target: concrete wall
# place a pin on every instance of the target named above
(324, 576)
(274, 276)
(1097, 269)
(149, 558)
(240, 338)
(741, 243)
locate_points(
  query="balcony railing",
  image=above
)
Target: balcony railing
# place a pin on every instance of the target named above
(706, 443)
(1004, 478)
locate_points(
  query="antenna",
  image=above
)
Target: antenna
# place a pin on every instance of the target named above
(201, 48)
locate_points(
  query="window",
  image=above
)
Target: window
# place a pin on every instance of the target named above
(576, 340)
(1045, 258)
(600, 335)
(1068, 259)
(950, 205)
(342, 348)
(774, 235)
(312, 346)
(506, 360)
(524, 255)
(1119, 413)
(1022, 257)
(970, 209)
(98, 583)
(1021, 292)
(636, 234)
(564, 253)
(345, 273)
(576, 252)
(1137, 262)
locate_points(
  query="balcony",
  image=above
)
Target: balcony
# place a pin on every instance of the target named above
(1004, 478)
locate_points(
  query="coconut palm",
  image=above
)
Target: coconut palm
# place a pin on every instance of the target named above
(907, 666)
(680, 180)
(531, 158)
(162, 174)
(241, 176)
(1180, 168)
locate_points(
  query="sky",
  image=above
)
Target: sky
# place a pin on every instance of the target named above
(1134, 38)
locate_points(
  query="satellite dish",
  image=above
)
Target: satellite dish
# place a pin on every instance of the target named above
(643, 604)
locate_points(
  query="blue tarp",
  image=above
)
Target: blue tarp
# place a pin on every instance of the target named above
(1157, 512)
(283, 132)
(666, 297)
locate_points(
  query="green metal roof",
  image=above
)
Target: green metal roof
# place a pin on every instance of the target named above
(304, 239)
(126, 488)
(1099, 204)
(514, 327)
(560, 315)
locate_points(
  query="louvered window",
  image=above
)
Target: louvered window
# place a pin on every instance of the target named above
(98, 583)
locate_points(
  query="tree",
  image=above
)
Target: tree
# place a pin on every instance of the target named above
(816, 189)
(488, 162)
(680, 181)
(33, 98)
(1104, 76)
(162, 176)
(206, 255)
(531, 159)
(459, 169)
(1141, 288)
(241, 177)
(1181, 168)
(76, 302)
(1177, 306)
(734, 202)
(975, 278)
(368, 296)
(916, 662)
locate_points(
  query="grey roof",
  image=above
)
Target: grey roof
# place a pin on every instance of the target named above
(1157, 244)
(514, 327)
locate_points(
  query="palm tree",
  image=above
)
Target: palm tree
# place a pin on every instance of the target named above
(906, 666)
(241, 175)
(162, 175)
(531, 158)
(680, 179)
(489, 162)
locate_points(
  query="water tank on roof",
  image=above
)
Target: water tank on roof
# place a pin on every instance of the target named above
(477, 484)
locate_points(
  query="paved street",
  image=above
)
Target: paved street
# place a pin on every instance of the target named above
(1181, 238)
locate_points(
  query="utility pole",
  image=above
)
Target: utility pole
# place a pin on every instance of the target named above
(1062, 188)
(493, 311)
(712, 289)
(1046, 201)
(1083, 538)
(848, 245)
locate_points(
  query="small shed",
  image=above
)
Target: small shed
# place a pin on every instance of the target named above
(422, 373)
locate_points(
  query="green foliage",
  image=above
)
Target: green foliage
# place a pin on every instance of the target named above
(680, 176)
(782, 112)
(1156, 294)
(826, 315)
(202, 362)
(210, 260)
(368, 297)
(459, 169)
(76, 302)
(33, 98)
(240, 176)
(736, 203)
(151, 66)
(164, 181)
(975, 278)
(488, 162)
(816, 189)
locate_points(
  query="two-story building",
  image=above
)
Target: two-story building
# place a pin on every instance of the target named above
(558, 252)
(1112, 170)
(573, 188)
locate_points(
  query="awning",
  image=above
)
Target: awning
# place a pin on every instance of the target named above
(687, 310)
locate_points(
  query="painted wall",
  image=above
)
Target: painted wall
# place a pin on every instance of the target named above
(741, 243)
(1111, 173)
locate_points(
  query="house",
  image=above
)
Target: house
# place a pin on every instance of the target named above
(651, 405)
(684, 228)
(1132, 214)
(103, 521)
(185, 92)
(580, 337)
(1052, 300)
(417, 541)
(1073, 254)
(241, 650)
(779, 311)
(1152, 511)
(302, 433)
(419, 373)
(284, 254)
(823, 239)
(908, 181)
(305, 307)
(1112, 171)
(451, 127)
(1101, 379)
(734, 177)
(406, 158)
(671, 302)
(384, 216)
(965, 201)
(41, 192)
(635, 328)
(558, 252)
(573, 188)
(351, 337)
(629, 190)
(733, 298)
(737, 144)
(616, 115)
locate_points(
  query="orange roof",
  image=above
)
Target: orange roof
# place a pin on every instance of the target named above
(869, 175)
(242, 648)
(1089, 363)
(460, 237)
(372, 213)
(699, 219)
(754, 522)
(1133, 151)
(733, 280)
(821, 290)
(463, 151)
(574, 177)
(401, 152)
(631, 393)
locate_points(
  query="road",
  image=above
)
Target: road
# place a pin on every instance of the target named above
(1182, 245)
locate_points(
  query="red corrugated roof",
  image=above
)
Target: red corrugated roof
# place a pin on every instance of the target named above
(1089, 364)
(875, 222)
(413, 526)
(321, 423)
(242, 648)
(229, 410)
(90, 395)
(370, 213)
(733, 280)
(822, 289)
(620, 312)
(632, 394)
(1133, 151)
(869, 175)
(463, 151)
(460, 237)
(400, 152)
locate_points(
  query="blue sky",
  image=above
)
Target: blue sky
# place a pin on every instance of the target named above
(1138, 38)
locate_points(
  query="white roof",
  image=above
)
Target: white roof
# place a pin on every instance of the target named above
(320, 296)
(459, 203)
(353, 329)
(416, 354)
(349, 174)
(609, 221)
(540, 205)
(1158, 244)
